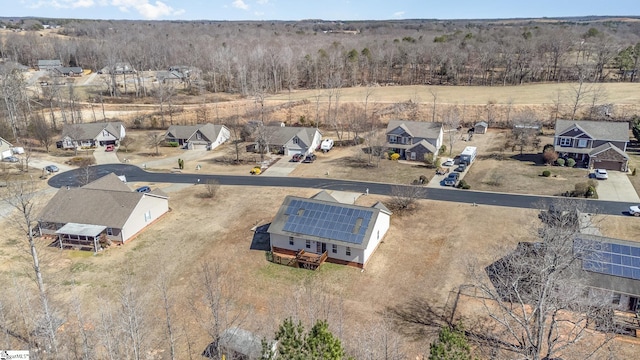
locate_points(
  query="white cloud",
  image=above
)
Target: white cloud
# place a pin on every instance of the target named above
(398, 14)
(149, 11)
(62, 4)
(240, 4)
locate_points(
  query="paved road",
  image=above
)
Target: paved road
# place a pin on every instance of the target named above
(135, 174)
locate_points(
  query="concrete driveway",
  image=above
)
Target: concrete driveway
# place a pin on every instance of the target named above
(282, 167)
(105, 157)
(617, 188)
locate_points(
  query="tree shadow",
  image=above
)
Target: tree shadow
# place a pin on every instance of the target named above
(261, 240)
(417, 318)
(534, 159)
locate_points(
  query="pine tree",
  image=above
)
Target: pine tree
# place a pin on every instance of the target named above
(320, 343)
(291, 340)
(451, 345)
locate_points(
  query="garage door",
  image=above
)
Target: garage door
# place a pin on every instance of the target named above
(293, 151)
(608, 164)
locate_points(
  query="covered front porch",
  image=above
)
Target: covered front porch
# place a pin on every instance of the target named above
(80, 236)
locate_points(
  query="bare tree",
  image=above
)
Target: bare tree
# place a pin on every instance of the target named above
(22, 196)
(434, 95)
(404, 198)
(451, 125)
(163, 92)
(133, 318)
(211, 188)
(154, 140)
(534, 297)
(41, 131)
(126, 142)
(167, 306)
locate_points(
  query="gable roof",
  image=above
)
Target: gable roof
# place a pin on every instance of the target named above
(110, 182)
(102, 202)
(599, 130)
(324, 196)
(4, 144)
(425, 144)
(209, 131)
(280, 135)
(327, 221)
(482, 123)
(608, 146)
(90, 130)
(419, 129)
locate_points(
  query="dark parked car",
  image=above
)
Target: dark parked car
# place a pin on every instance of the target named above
(451, 179)
(143, 189)
(462, 167)
(310, 158)
(51, 168)
(297, 157)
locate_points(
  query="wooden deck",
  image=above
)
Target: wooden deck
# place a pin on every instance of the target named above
(299, 259)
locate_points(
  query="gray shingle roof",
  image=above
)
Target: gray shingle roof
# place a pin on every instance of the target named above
(185, 132)
(599, 130)
(603, 147)
(90, 130)
(419, 129)
(106, 201)
(280, 135)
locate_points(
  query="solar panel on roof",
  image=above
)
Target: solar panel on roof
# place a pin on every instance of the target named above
(328, 221)
(609, 258)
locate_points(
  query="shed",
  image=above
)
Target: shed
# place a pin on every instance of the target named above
(480, 128)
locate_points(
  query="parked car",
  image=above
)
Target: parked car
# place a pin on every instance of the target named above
(297, 157)
(310, 158)
(634, 210)
(451, 179)
(601, 174)
(257, 170)
(448, 162)
(462, 167)
(51, 168)
(109, 148)
(143, 189)
(12, 159)
(442, 171)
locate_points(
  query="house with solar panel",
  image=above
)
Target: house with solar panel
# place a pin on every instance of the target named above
(308, 231)
(612, 265)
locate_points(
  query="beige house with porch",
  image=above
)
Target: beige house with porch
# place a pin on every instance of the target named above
(105, 210)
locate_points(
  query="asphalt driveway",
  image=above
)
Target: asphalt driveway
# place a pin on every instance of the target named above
(617, 188)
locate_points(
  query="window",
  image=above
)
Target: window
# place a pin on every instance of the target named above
(615, 299)
(198, 136)
(393, 139)
(308, 244)
(147, 216)
(413, 155)
(582, 143)
(334, 248)
(565, 141)
(105, 133)
(348, 251)
(295, 140)
(110, 231)
(290, 240)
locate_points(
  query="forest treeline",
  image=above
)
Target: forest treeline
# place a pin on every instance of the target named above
(246, 57)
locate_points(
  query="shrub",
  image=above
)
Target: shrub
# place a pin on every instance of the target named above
(423, 179)
(560, 162)
(591, 191)
(548, 147)
(429, 159)
(571, 162)
(546, 173)
(633, 173)
(463, 185)
(394, 156)
(549, 156)
(580, 189)
(466, 186)
(442, 149)
(172, 144)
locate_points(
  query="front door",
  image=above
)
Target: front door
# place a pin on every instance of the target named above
(320, 247)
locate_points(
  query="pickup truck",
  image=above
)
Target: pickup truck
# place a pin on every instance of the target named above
(452, 179)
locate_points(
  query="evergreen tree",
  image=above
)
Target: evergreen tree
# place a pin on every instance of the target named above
(320, 343)
(451, 345)
(291, 340)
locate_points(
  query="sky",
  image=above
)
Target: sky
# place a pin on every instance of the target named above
(313, 9)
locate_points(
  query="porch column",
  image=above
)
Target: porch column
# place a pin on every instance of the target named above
(95, 244)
